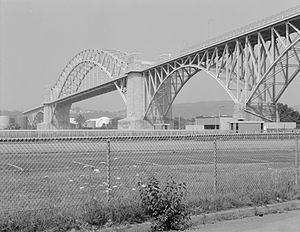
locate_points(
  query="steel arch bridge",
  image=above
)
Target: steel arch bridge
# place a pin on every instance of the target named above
(254, 65)
(75, 76)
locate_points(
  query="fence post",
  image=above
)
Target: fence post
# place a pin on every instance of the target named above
(215, 165)
(296, 159)
(108, 170)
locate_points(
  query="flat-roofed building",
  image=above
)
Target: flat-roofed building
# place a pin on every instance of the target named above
(213, 122)
(246, 126)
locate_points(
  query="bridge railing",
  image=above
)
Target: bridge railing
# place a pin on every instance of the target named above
(63, 172)
(295, 11)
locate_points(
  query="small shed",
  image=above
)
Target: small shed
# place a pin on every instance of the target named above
(246, 126)
(161, 126)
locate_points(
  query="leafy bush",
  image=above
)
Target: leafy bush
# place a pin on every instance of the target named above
(166, 206)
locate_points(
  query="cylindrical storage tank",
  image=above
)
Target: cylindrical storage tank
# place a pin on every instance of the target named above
(4, 122)
(22, 121)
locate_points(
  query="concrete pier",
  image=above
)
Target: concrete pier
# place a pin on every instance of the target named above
(135, 108)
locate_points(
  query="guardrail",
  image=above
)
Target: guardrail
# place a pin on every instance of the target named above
(246, 29)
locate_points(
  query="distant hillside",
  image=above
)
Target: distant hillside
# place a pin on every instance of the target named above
(185, 110)
(87, 113)
(205, 108)
(11, 113)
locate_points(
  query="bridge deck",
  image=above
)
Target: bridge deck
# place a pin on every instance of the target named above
(240, 32)
(32, 110)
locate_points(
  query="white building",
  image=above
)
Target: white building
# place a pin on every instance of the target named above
(213, 122)
(98, 122)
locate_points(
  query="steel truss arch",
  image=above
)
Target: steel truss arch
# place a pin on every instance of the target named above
(113, 63)
(188, 71)
(241, 65)
(219, 62)
(272, 85)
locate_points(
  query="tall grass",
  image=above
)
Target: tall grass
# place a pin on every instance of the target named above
(268, 188)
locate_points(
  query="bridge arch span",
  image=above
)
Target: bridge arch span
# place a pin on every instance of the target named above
(254, 68)
(112, 63)
(157, 112)
(272, 85)
(89, 73)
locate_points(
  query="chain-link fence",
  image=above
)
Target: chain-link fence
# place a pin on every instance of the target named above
(61, 172)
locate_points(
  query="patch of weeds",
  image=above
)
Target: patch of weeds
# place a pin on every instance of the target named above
(117, 211)
(165, 205)
(39, 220)
(95, 213)
(129, 211)
(284, 191)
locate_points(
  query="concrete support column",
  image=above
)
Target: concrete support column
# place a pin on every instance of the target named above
(268, 111)
(56, 117)
(135, 104)
(239, 113)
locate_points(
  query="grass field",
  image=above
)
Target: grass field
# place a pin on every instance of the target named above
(63, 173)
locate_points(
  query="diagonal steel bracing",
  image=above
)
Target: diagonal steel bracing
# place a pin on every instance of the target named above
(90, 72)
(90, 68)
(254, 68)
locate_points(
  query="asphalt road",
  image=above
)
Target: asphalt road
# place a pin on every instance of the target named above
(283, 222)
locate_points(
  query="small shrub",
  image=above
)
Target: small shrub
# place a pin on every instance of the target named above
(166, 206)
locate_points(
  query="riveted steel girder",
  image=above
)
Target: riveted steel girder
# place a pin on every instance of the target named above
(76, 76)
(254, 68)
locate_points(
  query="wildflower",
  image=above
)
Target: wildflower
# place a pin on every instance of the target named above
(81, 188)
(96, 170)
(118, 178)
(133, 189)
(115, 186)
(143, 185)
(134, 166)
(71, 180)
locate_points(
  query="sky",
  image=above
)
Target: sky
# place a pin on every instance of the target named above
(39, 37)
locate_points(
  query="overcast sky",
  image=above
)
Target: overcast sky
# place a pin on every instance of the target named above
(39, 37)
